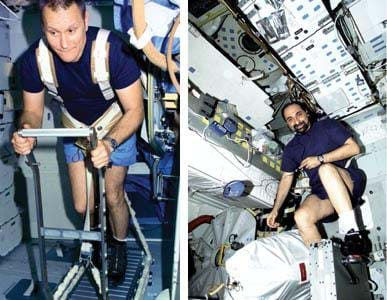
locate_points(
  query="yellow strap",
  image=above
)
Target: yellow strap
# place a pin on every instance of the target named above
(221, 253)
(251, 212)
(216, 289)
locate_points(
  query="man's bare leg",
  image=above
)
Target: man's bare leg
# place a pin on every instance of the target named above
(77, 173)
(118, 209)
(338, 185)
(307, 215)
(119, 221)
(114, 180)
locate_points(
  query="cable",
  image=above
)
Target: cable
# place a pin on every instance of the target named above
(170, 63)
(266, 186)
(195, 113)
(249, 57)
(204, 137)
(248, 165)
(204, 190)
(8, 19)
(342, 42)
(256, 77)
(372, 69)
(204, 131)
(238, 141)
(215, 33)
(195, 223)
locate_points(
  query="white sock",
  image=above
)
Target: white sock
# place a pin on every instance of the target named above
(347, 222)
(119, 240)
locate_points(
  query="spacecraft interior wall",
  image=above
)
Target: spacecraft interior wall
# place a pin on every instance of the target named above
(220, 167)
(216, 75)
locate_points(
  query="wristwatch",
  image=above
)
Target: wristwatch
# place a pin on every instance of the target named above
(320, 158)
(113, 143)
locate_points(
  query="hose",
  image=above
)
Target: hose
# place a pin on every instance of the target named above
(170, 62)
(199, 221)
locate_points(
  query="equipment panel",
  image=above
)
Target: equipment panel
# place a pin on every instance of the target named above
(4, 39)
(284, 23)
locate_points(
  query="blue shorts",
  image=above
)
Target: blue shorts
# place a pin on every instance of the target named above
(124, 155)
(359, 180)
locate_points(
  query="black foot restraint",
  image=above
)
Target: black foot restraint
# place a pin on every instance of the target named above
(117, 262)
(356, 243)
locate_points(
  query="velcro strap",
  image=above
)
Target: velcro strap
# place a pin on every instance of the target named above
(144, 39)
(106, 89)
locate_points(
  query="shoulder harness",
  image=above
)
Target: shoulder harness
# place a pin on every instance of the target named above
(99, 70)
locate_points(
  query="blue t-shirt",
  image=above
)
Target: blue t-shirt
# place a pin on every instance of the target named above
(324, 136)
(82, 98)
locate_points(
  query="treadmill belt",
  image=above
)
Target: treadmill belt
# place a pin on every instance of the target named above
(126, 290)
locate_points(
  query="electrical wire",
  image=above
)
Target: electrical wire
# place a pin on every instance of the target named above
(195, 113)
(266, 186)
(214, 35)
(342, 42)
(238, 141)
(204, 137)
(370, 67)
(261, 75)
(249, 57)
(248, 165)
(206, 189)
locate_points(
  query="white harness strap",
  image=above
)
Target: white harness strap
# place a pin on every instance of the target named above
(100, 63)
(102, 125)
(47, 70)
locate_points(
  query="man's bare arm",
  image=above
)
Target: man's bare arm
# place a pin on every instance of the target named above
(132, 102)
(283, 189)
(349, 149)
(282, 192)
(33, 107)
(31, 118)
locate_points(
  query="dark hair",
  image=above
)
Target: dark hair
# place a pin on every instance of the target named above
(300, 104)
(55, 4)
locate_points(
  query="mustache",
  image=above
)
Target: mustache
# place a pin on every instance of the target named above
(300, 125)
(300, 128)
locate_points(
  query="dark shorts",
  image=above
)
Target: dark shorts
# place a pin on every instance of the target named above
(124, 155)
(359, 180)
